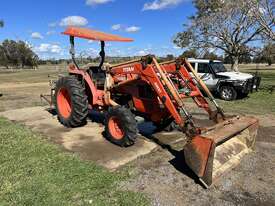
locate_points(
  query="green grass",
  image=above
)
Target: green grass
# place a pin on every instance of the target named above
(268, 79)
(261, 102)
(30, 75)
(34, 172)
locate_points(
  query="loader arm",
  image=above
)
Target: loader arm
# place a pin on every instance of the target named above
(151, 74)
(158, 76)
(184, 68)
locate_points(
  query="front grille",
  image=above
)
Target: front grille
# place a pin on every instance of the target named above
(250, 83)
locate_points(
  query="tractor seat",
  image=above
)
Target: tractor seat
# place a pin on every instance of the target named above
(98, 76)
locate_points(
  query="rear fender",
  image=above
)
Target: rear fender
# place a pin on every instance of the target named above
(92, 90)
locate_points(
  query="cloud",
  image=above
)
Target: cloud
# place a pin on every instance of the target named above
(55, 49)
(48, 48)
(132, 29)
(51, 32)
(53, 24)
(90, 41)
(142, 53)
(96, 2)
(36, 35)
(74, 21)
(29, 44)
(116, 27)
(176, 47)
(160, 4)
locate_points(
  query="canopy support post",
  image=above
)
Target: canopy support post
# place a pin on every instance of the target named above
(72, 51)
(102, 54)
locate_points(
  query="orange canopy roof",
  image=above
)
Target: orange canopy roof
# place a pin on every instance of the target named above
(94, 35)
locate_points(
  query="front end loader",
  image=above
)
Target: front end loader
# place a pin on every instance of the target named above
(156, 92)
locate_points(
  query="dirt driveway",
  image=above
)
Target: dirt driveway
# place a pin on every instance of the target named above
(20, 95)
(164, 176)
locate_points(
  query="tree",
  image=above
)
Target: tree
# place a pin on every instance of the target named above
(246, 59)
(262, 12)
(267, 54)
(11, 52)
(192, 53)
(26, 56)
(3, 57)
(17, 54)
(210, 56)
(169, 57)
(223, 25)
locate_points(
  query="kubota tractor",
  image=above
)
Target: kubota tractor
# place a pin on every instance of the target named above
(156, 92)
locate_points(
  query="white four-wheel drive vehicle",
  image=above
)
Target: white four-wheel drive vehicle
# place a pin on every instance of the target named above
(228, 85)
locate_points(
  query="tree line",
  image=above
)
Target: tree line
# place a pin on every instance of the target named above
(261, 55)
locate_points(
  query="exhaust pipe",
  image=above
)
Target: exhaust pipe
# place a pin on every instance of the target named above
(213, 153)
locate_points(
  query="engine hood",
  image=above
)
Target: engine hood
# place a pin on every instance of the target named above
(236, 75)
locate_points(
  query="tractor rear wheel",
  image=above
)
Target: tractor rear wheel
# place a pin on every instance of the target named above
(71, 102)
(120, 126)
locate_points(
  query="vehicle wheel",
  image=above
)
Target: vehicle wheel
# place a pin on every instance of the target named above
(71, 102)
(228, 93)
(120, 126)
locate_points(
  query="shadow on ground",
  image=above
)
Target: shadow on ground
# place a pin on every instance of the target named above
(178, 162)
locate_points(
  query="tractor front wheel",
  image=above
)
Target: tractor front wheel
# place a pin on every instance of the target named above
(120, 126)
(71, 102)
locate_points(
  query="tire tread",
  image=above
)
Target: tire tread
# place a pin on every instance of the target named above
(79, 102)
(129, 123)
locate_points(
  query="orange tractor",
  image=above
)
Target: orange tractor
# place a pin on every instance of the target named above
(156, 92)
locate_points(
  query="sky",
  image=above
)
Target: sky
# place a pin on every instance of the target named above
(151, 23)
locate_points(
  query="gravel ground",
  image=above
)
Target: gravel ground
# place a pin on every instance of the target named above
(163, 176)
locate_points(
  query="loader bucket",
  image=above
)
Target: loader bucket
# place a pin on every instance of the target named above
(221, 148)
